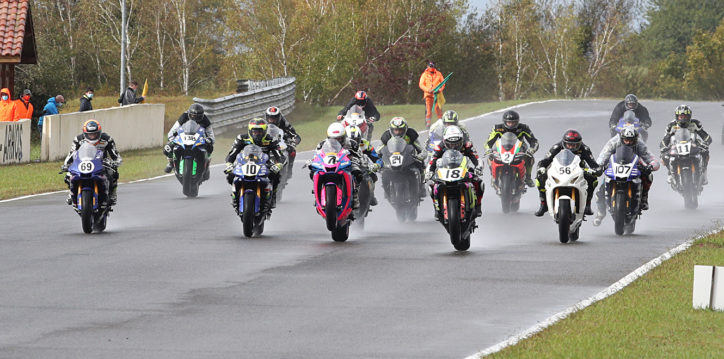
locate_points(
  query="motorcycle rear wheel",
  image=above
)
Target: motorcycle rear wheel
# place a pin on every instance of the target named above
(86, 211)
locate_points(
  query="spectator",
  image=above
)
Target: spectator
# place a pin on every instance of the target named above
(23, 107)
(7, 106)
(129, 96)
(51, 108)
(85, 101)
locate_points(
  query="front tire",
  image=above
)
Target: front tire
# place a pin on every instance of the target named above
(330, 208)
(619, 212)
(506, 192)
(86, 211)
(691, 195)
(453, 222)
(247, 217)
(341, 234)
(188, 179)
(564, 219)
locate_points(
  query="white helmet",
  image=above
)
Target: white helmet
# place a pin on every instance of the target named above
(630, 135)
(452, 138)
(336, 131)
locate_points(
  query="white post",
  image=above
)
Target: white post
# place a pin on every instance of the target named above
(717, 291)
(703, 276)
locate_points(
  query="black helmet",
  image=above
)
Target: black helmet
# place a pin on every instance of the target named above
(398, 126)
(682, 115)
(572, 140)
(92, 130)
(629, 136)
(195, 112)
(450, 118)
(511, 120)
(257, 129)
(272, 115)
(631, 101)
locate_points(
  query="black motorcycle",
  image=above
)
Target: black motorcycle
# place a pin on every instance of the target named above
(191, 157)
(685, 167)
(401, 178)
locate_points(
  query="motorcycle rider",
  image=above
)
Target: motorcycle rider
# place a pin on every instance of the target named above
(273, 115)
(336, 131)
(449, 118)
(365, 148)
(628, 137)
(257, 135)
(454, 139)
(400, 128)
(572, 141)
(630, 102)
(111, 158)
(511, 123)
(682, 119)
(365, 102)
(194, 113)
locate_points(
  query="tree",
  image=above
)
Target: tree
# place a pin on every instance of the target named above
(705, 60)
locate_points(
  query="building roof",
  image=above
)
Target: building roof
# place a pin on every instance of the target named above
(16, 32)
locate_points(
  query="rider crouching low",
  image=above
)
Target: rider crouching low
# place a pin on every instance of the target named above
(454, 139)
(365, 148)
(111, 158)
(573, 142)
(400, 128)
(511, 123)
(257, 135)
(273, 116)
(194, 113)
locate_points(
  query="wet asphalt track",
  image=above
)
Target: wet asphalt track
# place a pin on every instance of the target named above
(174, 277)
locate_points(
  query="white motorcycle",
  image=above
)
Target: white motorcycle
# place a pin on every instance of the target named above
(566, 190)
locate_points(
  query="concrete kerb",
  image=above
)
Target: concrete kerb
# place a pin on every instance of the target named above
(296, 161)
(611, 290)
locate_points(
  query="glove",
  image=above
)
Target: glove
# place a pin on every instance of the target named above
(276, 168)
(370, 120)
(542, 170)
(530, 152)
(479, 171)
(63, 168)
(339, 117)
(649, 168)
(229, 167)
(428, 175)
(375, 167)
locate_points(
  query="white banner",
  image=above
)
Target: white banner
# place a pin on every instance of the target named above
(14, 142)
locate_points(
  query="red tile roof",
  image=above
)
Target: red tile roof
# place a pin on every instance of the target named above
(13, 14)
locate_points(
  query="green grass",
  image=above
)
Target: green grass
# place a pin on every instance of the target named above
(651, 318)
(310, 121)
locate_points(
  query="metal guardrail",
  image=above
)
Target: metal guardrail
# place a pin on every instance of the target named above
(234, 111)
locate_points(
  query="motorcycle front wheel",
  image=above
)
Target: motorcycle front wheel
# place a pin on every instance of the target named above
(564, 220)
(86, 210)
(247, 217)
(619, 212)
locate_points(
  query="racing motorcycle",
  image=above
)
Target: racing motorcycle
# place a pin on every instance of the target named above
(434, 138)
(287, 163)
(401, 178)
(252, 189)
(191, 157)
(507, 168)
(623, 189)
(685, 167)
(333, 188)
(566, 191)
(454, 198)
(87, 176)
(629, 119)
(355, 116)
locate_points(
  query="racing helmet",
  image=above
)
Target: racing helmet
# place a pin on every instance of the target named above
(195, 112)
(360, 98)
(92, 130)
(629, 136)
(453, 138)
(272, 115)
(398, 126)
(336, 131)
(572, 140)
(631, 101)
(683, 115)
(257, 129)
(450, 118)
(511, 119)
(354, 134)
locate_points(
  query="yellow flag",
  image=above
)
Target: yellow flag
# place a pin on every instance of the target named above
(440, 100)
(145, 91)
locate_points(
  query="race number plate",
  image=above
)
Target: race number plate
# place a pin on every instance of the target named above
(507, 157)
(250, 169)
(189, 139)
(450, 174)
(86, 167)
(683, 148)
(330, 160)
(396, 160)
(622, 171)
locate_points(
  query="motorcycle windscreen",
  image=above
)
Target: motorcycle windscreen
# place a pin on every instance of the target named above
(565, 157)
(682, 135)
(274, 131)
(331, 146)
(355, 109)
(88, 152)
(624, 155)
(508, 141)
(451, 159)
(396, 144)
(251, 153)
(190, 127)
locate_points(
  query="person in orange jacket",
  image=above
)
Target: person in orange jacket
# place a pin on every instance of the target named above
(430, 79)
(7, 106)
(23, 107)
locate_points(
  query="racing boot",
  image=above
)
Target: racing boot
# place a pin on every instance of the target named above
(704, 180)
(645, 200)
(234, 201)
(529, 181)
(169, 166)
(112, 195)
(373, 199)
(588, 211)
(542, 209)
(427, 123)
(599, 218)
(69, 200)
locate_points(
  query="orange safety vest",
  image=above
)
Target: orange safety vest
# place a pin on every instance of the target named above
(429, 80)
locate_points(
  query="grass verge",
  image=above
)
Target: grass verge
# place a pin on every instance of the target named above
(310, 121)
(651, 318)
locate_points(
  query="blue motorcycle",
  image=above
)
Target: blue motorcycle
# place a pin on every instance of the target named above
(191, 157)
(623, 189)
(89, 187)
(252, 189)
(629, 119)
